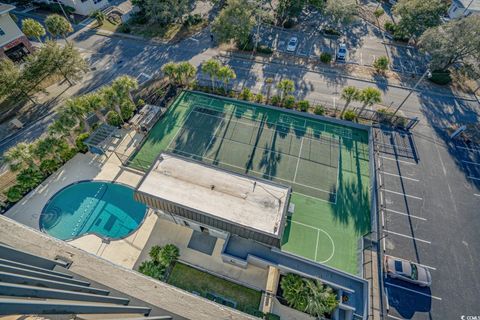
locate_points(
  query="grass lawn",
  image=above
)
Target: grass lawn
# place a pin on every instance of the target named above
(108, 26)
(191, 279)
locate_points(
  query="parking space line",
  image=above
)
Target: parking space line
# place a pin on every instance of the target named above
(403, 194)
(409, 237)
(469, 149)
(470, 162)
(405, 214)
(401, 161)
(399, 176)
(411, 290)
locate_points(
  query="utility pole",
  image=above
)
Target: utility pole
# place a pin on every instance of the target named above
(425, 74)
(64, 13)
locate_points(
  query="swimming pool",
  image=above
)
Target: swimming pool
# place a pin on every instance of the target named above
(102, 208)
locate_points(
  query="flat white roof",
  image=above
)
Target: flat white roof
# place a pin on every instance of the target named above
(253, 203)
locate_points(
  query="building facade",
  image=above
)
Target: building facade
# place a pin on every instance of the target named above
(463, 8)
(83, 7)
(13, 43)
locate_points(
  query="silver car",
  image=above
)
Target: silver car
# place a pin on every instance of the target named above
(407, 271)
(292, 44)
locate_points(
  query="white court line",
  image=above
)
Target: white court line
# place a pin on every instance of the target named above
(476, 195)
(405, 214)
(474, 178)
(469, 149)
(470, 162)
(396, 175)
(409, 237)
(393, 317)
(415, 291)
(298, 161)
(316, 246)
(401, 161)
(403, 194)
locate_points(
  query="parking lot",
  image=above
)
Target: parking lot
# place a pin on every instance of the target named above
(428, 220)
(363, 47)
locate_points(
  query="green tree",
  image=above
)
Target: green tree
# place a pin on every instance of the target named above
(381, 64)
(19, 156)
(99, 16)
(166, 11)
(235, 22)
(152, 269)
(369, 96)
(169, 254)
(417, 16)
(123, 87)
(226, 74)
(75, 108)
(321, 299)
(9, 77)
(94, 103)
(269, 82)
(29, 178)
(58, 26)
(62, 127)
(349, 94)
(211, 67)
(33, 29)
(456, 42)
(112, 101)
(286, 87)
(287, 10)
(340, 12)
(186, 72)
(294, 291)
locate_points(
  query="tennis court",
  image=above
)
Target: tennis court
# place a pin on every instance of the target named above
(316, 158)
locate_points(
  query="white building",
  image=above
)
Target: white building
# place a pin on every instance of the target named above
(83, 7)
(13, 43)
(460, 8)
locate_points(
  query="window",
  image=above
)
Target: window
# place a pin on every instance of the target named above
(2, 33)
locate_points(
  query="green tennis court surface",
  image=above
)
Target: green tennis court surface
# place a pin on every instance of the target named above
(325, 164)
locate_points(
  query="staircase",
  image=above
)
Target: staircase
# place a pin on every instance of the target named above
(32, 285)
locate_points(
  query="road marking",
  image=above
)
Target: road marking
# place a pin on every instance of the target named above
(409, 237)
(403, 194)
(406, 214)
(393, 159)
(411, 290)
(470, 162)
(469, 149)
(474, 178)
(396, 175)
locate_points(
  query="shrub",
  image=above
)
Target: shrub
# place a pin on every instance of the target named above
(390, 27)
(127, 110)
(246, 94)
(169, 254)
(275, 100)
(349, 115)
(264, 49)
(259, 98)
(152, 269)
(68, 154)
(381, 64)
(81, 147)
(289, 102)
(141, 102)
(290, 23)
(325, 57)
(441, 77)
(319, 110)
(331, 32)
(29, 178)
(271, 316)
(113, 118)
(193, 19)
(303, 105)
(124, 28)
(379, 12)
(48, 166)
(14, 193)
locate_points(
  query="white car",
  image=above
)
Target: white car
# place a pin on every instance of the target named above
(292, 44)
(342, 52)
(407, 271)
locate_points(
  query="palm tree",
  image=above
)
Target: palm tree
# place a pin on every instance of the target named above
(226, 74)
(112, 100)
(286, 87)
(100, 16)
(169, 254)
(321, 299)
(211, 67)
(123, 87)
(77, 108)
(369, 96)
(94, 102)
(171, 71)
(33, 28)
(294, 291)
(349, 94)
(58, 26)
(63, 127)
(269, 82)
(19, 156)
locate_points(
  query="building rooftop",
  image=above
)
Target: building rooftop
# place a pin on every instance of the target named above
(4, 8)
(472, 5)
(253, 203)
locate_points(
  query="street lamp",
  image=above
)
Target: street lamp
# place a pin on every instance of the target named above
(428, 74)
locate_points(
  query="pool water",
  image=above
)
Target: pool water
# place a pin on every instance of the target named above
(102, 208)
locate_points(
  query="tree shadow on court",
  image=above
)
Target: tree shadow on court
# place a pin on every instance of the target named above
(353, 200)
(270, 159)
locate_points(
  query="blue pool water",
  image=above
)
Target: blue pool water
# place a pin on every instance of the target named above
(103, 208)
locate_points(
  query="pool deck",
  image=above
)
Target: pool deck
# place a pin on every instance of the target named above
(83, 167)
